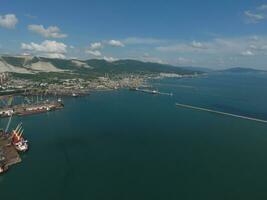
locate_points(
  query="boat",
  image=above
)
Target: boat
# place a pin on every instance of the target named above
(41, 108)
(3, 169)
(12, 143)
(6, 113)
(155, 92)
(31, 111)
(149, 91)
(18, 141)
(133, 88)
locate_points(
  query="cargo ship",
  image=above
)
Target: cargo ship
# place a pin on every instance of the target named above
(39, 108)
(149, 91)
(6, 112)
(18, 141)
(11, 144)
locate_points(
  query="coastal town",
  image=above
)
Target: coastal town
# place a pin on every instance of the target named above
(67, 87)
(35, 95)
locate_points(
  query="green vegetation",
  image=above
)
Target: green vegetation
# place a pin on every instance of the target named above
(94, 68)
(15, 61)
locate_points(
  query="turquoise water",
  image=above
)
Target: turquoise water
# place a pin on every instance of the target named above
(129, 145)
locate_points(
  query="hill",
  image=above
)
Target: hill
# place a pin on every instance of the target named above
(27, 66)
(242, 70)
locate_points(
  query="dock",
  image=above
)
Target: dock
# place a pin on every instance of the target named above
(30, 109)
(220, 113)
(155, 92)
(8, 154)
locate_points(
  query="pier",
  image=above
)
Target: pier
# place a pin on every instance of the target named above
(152, 91)
(220, 113)
(30, 109)
(8, 153)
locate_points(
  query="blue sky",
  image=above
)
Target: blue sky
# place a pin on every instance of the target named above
(215, 34)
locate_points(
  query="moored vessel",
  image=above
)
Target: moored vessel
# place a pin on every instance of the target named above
(18, 141)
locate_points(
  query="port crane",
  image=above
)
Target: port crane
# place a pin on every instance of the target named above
(11, 115)
(7, 100)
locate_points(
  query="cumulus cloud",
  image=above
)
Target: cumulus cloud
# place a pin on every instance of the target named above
(94, 49)
(148, 58)
(185, 47)
(95, 45)
(247, 53)
(47, 48)
(253, 17)
(95, 53)
(184, 61)
(49, 32)
(258, 47)
(115, 43)
(109, 59)
(195, 44)
(217, 46)
(262, 7)
(8, 21)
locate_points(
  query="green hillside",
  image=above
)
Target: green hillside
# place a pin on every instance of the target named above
(94, 67)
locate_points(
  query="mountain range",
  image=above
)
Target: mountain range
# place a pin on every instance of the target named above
(34, 65)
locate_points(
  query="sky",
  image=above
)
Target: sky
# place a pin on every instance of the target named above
(207, 33)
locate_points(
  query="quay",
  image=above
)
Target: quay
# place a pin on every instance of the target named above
(220, 113)
(30, 109)
(57, 93)
(8, 153)
(155, 92)
(11, 144)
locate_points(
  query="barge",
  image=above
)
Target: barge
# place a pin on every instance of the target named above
(38, 108)
(30, 109)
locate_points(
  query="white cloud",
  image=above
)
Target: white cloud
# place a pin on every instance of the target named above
(47, 48)
(49, 32)
(184, 61)
(145, 41)
(148, 58)
(185, 47)
(247, 53)
(226, 46)
(109, 59)
(95, 53)
(8, 21)
(115, 43)
(96, 45)
(197, 45)
(254, 17)
(258, 47)
(94, 49)
(262, 7)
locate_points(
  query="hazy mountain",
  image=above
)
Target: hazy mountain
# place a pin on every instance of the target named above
(242, 70)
